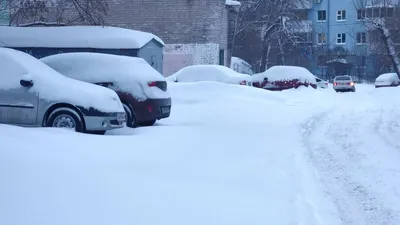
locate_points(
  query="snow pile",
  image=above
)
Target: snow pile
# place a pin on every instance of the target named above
(230, 154)
(129, 74)
(53, 86)
(387, 79)
(75, 37)
(286, 73)
(214, 73)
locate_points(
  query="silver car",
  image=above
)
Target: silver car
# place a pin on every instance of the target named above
(344, 83)
(34, 95)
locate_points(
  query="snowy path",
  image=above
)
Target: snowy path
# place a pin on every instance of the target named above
(228, 155)
(350, 147)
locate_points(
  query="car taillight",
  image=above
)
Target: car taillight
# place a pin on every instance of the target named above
(152, 84)
(334, 83)
(351, 83)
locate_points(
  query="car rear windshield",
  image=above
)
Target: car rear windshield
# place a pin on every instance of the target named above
(342, 78)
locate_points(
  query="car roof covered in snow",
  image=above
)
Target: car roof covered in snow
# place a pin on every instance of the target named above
(52, 85)
(387, 76)
(282, 73)
(75, 37)
(130, 74)
(216, 73)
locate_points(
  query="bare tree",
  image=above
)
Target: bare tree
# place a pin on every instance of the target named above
(381, 18)
(56, 12)
(274, 22)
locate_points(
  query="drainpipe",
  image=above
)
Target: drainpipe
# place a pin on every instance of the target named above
(328, 23)
(328, 33)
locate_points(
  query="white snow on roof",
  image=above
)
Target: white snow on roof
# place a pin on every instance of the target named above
(282, 73)
(238, 61)
(53, 86)
(215, 73)
(232, 3)
(75, 37)
(129, 74)
(340, 60)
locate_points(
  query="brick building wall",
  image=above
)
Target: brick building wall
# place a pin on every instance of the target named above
(195, 31)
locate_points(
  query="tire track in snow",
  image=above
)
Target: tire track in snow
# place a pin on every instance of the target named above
(332, 139)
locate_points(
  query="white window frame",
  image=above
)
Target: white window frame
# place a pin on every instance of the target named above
(318, 19)
(360, 39)
(341, 36)
(321, 38)
(339, 14)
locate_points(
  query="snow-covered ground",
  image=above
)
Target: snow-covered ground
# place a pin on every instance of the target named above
(228, 155)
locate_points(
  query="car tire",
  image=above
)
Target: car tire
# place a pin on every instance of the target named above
(130, 116)
(66, 118)
(97, 132)
(148, 123)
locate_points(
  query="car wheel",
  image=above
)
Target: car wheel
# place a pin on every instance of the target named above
(148, 123)
(130, 116)
(65, 118)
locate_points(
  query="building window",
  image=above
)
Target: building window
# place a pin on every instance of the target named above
(321, 38)
(341, 38)
(361, 38)
(341, 15)
(360, 14)
(321, 15)
(222, 57)
(389, 12)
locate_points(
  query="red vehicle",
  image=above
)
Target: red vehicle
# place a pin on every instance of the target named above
(279, 78)
(141, 89)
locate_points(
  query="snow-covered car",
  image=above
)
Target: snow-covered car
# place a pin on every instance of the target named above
(279, 78)
(322, 83)
(34, 95)
(141, 89)
(387, 80)
(344, 83)
(214, 73)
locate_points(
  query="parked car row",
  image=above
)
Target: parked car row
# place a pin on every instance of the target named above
(275, 78)
(85, 92)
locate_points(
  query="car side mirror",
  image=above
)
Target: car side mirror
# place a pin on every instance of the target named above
(26, 81)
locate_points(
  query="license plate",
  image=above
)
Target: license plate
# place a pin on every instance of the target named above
(165, 110)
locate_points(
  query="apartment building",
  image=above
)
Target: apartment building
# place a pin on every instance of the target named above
(4, 14)
(341, 40)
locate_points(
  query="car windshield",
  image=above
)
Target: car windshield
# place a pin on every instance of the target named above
(342, 78)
